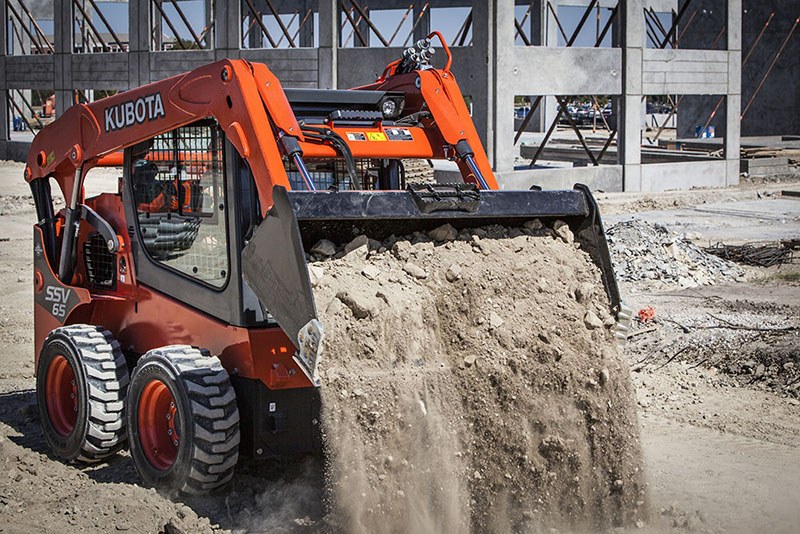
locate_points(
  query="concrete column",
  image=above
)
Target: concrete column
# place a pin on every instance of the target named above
(482, 68)
(538, 23)
(138, 42)
(423, 29)
(328, 44)
(306, 36)
(549, 105)
(4, 126)
(227, 29)
(62, 84)
(502, 20)
(629, 122)
(733, 101)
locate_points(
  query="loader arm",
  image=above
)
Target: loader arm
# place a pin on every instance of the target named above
(242, 97)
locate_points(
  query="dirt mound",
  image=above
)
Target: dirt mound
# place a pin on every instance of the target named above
(472, 384)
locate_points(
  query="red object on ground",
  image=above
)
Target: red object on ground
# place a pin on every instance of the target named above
(646, 314)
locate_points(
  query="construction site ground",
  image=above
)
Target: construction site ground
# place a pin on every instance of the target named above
(716, 372)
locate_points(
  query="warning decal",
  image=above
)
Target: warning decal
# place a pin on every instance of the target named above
(376, 136)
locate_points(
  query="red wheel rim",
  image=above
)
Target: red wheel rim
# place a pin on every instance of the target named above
(158, 426)
(61, 392)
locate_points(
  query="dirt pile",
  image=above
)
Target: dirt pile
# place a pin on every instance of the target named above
(472, 384)
(650, 253)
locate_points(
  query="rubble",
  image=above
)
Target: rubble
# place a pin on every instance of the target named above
(650, 253)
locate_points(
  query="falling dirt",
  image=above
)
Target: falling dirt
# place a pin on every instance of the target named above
(474, 385)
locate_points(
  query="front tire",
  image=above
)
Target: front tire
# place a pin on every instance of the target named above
(81, 381)
(183, 422)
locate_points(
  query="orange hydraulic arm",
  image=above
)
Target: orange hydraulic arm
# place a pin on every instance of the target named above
(242, 97)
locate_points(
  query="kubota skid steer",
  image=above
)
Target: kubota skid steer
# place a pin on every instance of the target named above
(176, 314)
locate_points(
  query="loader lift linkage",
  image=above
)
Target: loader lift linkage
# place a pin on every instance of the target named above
(177, 313)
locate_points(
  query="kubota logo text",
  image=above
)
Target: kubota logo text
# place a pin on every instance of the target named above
(148, 107)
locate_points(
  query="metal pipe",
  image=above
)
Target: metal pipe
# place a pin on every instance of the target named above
(675, 22)
(402, 21)
(771, 66)
(758, 39)
(368, 21)
(291, 20)
(301, 168)
(25, 28)
(527, 118)
(302, 23)
(21, 114)
(521, 33)
(610, 21)
(257, 15)
(89, 23)
(475, 171)
(558, 22)
(578, 133)
(108, 25)
(281, 25)
(30, 108)
(36, 25)
(608, 144)
(583, 20)
(546, 138)
(686, 28)
(165, 18)
(416, 23)
(457, 36)
(187, 24)
(353, 23)
(467, 28)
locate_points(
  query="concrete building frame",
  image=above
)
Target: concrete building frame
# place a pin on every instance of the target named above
(492, 71)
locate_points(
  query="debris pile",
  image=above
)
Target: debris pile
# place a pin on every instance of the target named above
(645, 252)
(751, 254)
(464, 392)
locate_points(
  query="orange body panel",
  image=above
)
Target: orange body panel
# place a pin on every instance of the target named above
(154, 320)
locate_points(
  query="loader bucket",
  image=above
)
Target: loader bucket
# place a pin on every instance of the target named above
(274, 259)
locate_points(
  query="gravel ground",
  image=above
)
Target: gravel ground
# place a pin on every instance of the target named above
(720, 433)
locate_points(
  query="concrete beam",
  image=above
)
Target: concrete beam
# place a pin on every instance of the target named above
(564, 71)
(684, 72)
(672, 176)
(606, 178)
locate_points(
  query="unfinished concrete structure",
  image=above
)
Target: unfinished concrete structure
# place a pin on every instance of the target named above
(503, 49)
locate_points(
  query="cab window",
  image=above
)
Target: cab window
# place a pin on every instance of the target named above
(178, 182)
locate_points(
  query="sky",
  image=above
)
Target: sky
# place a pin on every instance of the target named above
(446, 20)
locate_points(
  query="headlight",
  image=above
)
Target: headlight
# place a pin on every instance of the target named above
(391, 108)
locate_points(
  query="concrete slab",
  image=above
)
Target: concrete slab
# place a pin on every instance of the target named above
(728, 222)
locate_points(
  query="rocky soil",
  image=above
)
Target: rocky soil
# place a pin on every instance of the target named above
(652, 257)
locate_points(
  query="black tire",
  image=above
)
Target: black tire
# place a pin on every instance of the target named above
(89, 425)
(203, 414)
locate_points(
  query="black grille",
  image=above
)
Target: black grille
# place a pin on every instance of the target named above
(329, 172)
(101, 265)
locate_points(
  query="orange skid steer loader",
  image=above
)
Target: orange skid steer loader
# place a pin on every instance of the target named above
(176, 315)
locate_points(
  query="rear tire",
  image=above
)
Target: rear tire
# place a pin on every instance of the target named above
(81, 381)
(183, 422)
